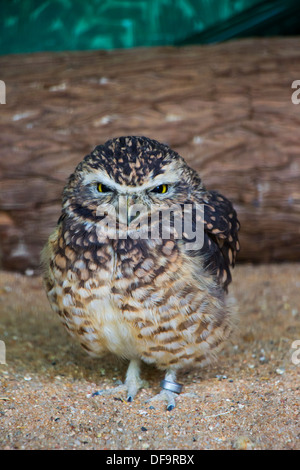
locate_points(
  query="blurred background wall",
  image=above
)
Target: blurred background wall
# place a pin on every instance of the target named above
(211, 78)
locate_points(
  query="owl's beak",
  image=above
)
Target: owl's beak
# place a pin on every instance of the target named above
(128, 209)
(132, 209)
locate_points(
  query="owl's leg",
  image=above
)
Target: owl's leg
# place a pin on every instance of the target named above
(170, 390)
(132, 383)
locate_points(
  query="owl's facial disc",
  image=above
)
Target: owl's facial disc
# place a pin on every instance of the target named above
(160, 184)
(130, 202)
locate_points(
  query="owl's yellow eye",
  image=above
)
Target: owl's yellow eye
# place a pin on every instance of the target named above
(102, 188)
(161, 189)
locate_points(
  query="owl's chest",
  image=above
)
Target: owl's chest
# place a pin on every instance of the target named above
(100, 296)
(110, 297)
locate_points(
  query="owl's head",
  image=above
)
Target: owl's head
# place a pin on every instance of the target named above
(141, 170)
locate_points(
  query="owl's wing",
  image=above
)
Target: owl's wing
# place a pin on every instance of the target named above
(221, 243)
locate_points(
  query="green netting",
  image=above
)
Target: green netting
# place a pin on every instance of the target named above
(31, 25)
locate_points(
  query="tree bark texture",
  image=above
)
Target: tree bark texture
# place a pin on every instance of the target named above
(225, 108)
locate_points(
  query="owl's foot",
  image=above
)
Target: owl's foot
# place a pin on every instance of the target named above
(170, 390)
(110, 391)
(133, 383)
(165, 396)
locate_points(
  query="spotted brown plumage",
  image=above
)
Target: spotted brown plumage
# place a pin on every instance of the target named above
(150, 299)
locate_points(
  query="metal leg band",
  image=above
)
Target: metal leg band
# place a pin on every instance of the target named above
(171, 386)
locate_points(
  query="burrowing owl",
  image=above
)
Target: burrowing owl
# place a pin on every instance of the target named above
(143, 298)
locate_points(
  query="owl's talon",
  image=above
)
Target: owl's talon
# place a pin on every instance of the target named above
(133, 383)
(110, 391)
(166, 396)
(116, 390)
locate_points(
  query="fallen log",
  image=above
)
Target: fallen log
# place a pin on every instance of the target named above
(226, 108)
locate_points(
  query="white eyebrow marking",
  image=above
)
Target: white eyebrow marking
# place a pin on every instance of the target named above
(100, 177)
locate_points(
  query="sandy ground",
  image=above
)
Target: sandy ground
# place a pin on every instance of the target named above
(249, 399)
